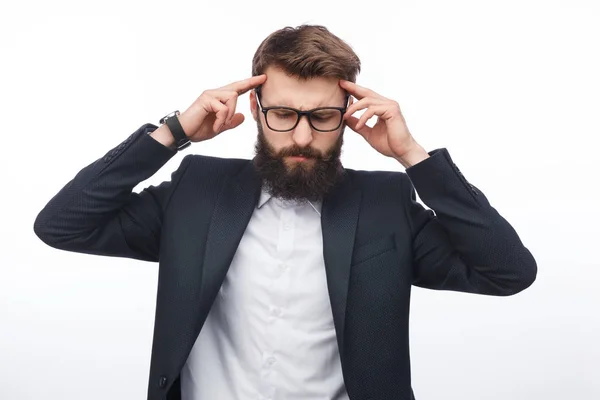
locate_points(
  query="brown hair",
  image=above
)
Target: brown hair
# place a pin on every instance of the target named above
(307, 51)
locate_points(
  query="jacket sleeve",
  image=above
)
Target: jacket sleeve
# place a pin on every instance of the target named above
(464, 244)
(98, 213)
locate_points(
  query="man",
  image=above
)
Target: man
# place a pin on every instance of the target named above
(288, 276)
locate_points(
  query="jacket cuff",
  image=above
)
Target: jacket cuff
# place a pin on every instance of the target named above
(141, 142)
(438, 176)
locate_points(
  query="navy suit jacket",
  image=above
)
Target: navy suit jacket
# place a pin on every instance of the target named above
(377, 242)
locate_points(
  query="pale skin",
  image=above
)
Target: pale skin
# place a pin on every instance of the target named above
(390, 135)
(214, 112)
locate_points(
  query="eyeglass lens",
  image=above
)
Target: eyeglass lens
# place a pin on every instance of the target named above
(283, 119)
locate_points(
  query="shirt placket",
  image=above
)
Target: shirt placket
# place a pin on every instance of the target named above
(280, 285)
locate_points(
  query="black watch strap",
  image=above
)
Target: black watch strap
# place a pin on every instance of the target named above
(181, 139)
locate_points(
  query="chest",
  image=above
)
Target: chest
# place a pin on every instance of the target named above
(278, 268)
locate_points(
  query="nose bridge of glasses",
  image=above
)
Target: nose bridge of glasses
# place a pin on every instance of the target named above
(303, 122)
(306, 114)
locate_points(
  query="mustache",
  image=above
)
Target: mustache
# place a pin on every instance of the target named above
(299, 152)
(307, 152)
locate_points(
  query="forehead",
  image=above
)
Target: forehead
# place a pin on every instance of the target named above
(281, 89)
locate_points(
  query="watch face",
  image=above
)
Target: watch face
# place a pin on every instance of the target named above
(170, 115)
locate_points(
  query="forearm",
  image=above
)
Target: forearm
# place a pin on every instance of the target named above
(468, 246)
(74, 218)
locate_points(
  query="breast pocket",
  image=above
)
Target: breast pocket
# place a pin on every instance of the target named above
(373, 248)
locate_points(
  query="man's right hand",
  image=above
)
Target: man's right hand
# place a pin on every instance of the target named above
(214, 111)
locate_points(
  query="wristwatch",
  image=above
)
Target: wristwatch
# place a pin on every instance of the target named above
(181, 139)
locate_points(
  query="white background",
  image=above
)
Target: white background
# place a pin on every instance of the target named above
(510, 88)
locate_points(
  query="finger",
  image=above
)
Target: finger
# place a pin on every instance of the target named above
(244, 85)
(372, 111)
(362, 121)
(236, 121)
(356, 90)
(361, 104)
(231, 105)
(364, 131)
(229, 98)
(221, 113)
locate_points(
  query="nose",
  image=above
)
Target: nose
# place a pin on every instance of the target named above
(303, 134)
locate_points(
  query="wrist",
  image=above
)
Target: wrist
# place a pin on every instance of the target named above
(413, 156)
(163, 135)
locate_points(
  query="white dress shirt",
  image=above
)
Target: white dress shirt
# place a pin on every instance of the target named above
(269, 334)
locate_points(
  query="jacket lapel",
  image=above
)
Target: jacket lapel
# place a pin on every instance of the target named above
(339, 218)
(235, 204)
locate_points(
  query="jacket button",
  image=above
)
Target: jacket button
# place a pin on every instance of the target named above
(162, 381)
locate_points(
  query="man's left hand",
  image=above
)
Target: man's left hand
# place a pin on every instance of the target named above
(390, 135)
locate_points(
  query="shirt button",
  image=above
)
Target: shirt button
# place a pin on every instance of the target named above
(286, 227)
(271, 360)
(283, 267)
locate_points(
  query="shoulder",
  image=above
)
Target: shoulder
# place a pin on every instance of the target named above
(377, 180)
(203, 163)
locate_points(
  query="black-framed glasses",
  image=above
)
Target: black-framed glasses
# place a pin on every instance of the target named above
(284, 119)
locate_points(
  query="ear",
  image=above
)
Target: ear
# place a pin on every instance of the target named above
(253, 105)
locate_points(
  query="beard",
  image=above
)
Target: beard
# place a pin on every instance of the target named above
(310, 179)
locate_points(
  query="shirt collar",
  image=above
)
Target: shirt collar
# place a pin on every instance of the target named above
(265, 196)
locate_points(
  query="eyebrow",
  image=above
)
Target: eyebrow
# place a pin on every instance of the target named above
(285, 103)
